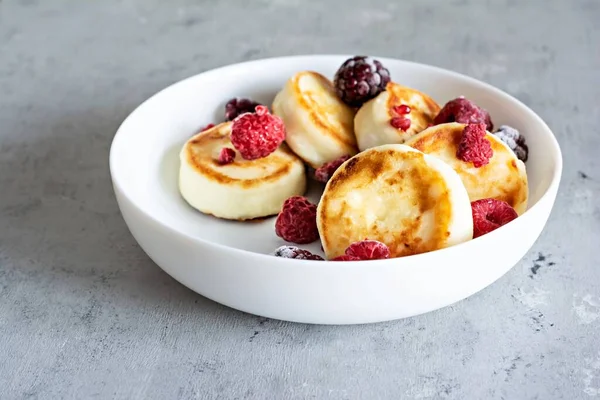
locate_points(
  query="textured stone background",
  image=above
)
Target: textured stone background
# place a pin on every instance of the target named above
(84, 313)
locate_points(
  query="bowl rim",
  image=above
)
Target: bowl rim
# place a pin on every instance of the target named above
(552, 187)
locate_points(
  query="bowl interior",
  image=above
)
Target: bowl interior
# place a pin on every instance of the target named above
(145, 151)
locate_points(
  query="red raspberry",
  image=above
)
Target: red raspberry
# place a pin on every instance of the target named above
(256, 135)
(226, 156)
(368, 250)
(296, 253)
(297, 221)
(474, 147)
(345, 257)
(325, 171)
(364, 250)
(400, 123)
(463, 111)
(490, 214)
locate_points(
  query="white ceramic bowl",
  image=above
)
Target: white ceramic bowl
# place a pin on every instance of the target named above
(229, 262)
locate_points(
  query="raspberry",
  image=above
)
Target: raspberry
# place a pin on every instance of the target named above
(257, 135)
(368, 250)
(226, 156)
(474, 147)
(207, 127)
(345, 257)
(514, 140)
(359, 79)
(463, 111)
(364, 250)
(325, 171)
(238, 106)
(297, 221)
(296, 252)
(400, 123)
(490, 214)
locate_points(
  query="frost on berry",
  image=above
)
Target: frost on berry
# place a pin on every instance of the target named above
(296, 253)
(514, 140)
(297, 221)
(474, 147)
(359, 79)
(463, 111)
(490, 214)
(325, 171)
(368, 250)
(256, 135)
(238, 106)
(226, 156)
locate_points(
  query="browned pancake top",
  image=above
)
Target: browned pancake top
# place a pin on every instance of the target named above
(312, 101)
(361, 202)
(203, 149)
(503, 178)
(423, 108)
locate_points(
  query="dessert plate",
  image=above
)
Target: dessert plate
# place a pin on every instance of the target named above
(230, 262)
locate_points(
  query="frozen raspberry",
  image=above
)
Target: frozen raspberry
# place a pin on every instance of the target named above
(400, 123)
(463, 111)
(205, 128)
(345, 257)
(325, 171)
(490, 214)
(226, 156)
(296, 252)
(474, 147)
(359, 79)
(514, 140)
(297, 221)
(368, 250)
(238, 106)
(257, 135)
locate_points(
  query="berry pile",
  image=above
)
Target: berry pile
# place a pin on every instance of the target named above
(514, 140)
(238, 106)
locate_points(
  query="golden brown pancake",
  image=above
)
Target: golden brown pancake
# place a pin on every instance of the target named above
(504, 178)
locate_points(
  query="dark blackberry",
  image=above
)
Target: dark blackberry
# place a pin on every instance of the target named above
(359, 79)
(296, 252)
(237, 106)
(514, 140)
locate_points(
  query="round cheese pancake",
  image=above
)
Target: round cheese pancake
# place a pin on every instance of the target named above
(320, 127)
(243, 189)
(373, 122)
(503, 178)
(412, 202)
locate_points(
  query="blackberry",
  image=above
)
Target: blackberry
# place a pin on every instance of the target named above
(237, 106)
(514, 140)
(295, 252)
(359, 79)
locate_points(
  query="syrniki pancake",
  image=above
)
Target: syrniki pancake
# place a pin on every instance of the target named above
(243, 189)
(412, 202)
(374, 124)
(504, 178)
(319, 125)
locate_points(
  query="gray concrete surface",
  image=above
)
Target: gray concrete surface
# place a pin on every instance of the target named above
(85, 314)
